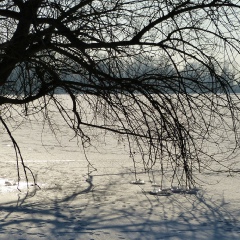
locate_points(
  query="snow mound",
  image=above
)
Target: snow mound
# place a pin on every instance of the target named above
(7, 185)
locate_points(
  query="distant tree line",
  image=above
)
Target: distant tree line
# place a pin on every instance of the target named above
(161, 78)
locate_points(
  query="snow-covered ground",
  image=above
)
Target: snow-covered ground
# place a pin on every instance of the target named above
(80, 201)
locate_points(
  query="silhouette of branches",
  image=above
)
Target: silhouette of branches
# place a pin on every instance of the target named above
(163, 74)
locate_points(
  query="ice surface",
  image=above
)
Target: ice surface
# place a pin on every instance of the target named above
(77, 202)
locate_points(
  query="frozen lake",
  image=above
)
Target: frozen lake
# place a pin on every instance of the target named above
(78, 200)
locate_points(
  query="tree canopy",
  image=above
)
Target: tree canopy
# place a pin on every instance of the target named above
(152, 71)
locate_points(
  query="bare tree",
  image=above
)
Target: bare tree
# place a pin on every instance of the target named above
(150, 71)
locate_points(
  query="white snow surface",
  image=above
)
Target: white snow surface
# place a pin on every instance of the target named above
(78, 202)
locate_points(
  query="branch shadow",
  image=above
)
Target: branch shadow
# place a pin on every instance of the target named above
(116, 209)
